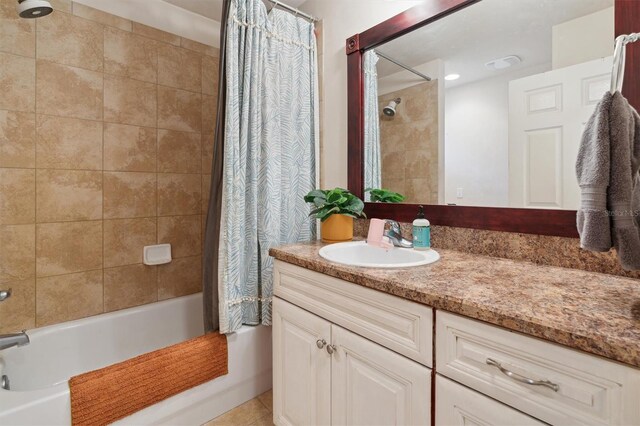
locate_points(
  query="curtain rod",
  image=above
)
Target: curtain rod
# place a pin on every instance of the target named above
(292, 9)
(400, 64)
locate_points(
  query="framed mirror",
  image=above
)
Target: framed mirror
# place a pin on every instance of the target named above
(475, 108)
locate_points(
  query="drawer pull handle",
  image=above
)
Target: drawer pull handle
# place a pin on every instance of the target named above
(331, 349)
(321, 343)
(522, 379)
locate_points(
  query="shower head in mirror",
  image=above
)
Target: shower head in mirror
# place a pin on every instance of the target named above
(33, 8)
(390, 110)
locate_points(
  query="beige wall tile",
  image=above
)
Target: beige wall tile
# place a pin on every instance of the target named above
(179, 68)
(68, 91)
(180, 277)
(17, 139)
(124, 240)
(182, 232)
(209, 112)
(68, 195)
(17, 196)
(179, 194)
(129, 148)
(128, 101)
(208, 140)
(68, 143)
(179, 109)
(210, 73)
(128, 286)
(17, 252)
(129, 195)
(61, 5)
(17, 35)
(206, 193)
(69, 40)
(68, 297)
(420, 164)
(179, 152)
(201, 48)
(19, 313)
(156, 34)
(17, 83)
(101, 17)
(130, 55)
(64, 248)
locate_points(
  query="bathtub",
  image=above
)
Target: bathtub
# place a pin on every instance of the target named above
(39, 372)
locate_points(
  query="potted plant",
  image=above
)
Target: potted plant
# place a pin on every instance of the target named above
(379, 195)
(336, 209)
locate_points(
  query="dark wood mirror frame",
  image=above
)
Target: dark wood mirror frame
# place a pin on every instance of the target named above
(529, 221)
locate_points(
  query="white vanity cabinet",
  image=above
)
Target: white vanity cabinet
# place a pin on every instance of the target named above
(345, 354)
(326, 374)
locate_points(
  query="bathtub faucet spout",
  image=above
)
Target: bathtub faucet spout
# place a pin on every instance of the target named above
(16, 339)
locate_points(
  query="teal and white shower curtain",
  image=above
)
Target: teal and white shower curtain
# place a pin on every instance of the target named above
(271, 134)
(372, 156)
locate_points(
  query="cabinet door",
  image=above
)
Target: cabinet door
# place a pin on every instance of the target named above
(372, 385)
(301, 370)
(457, 405)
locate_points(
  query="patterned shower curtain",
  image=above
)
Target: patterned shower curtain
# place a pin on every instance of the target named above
(372, 160)
(271, 131)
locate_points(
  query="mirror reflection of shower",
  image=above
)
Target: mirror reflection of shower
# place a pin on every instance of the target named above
(31, 9)
(390, 110)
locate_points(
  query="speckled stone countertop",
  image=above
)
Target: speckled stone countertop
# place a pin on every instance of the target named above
(593, 312)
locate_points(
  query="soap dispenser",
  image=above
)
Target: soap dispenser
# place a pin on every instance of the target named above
(421, 231)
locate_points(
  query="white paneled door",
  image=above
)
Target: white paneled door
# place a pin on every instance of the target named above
(547, 115)
(301, 367)
(372, 385)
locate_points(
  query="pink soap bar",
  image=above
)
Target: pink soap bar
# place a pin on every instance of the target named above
(376, 237)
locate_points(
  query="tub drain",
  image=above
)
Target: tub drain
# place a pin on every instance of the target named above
(5, 382)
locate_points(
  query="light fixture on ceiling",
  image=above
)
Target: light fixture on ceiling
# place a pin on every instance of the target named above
(451, 77)
(502, 63)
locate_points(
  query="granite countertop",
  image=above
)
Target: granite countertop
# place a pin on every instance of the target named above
(593, 312)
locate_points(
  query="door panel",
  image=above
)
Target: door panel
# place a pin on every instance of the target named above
(301, 370)
(372, 385)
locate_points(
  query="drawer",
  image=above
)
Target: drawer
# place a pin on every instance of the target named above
(457, 405)
(398, 324)
(580, 388)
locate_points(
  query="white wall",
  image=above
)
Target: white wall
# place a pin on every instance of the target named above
(342, 19)
(164, 16)
(583, 39)
(476, 153)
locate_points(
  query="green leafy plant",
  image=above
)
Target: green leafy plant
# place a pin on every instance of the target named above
(334, 201)
(380, 195)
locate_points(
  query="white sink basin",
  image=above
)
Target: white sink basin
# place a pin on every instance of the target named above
(359, 253)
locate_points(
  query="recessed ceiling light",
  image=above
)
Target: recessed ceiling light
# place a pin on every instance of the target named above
(451, 77)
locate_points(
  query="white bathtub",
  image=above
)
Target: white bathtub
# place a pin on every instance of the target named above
(39, 372)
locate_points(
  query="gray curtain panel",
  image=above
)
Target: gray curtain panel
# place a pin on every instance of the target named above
(212, 230)
(372, 156)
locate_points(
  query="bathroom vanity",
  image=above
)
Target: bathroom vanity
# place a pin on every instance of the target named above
(469, 339)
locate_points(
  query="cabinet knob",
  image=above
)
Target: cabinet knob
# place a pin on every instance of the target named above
(321, 343)
(331, 349)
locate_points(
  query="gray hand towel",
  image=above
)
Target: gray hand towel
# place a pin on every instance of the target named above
(592, 168)
(623, 195)
(607, 169)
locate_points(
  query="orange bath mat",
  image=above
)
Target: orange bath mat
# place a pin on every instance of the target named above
(103, 396)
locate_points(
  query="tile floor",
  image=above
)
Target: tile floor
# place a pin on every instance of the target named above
(256, 412)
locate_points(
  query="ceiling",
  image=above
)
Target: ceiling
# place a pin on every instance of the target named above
(488, 30)
(212, 9)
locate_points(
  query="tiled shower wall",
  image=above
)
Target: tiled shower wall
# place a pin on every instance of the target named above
(106, 137)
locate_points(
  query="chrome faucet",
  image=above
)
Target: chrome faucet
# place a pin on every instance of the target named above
(16, 339)
(394, 233)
